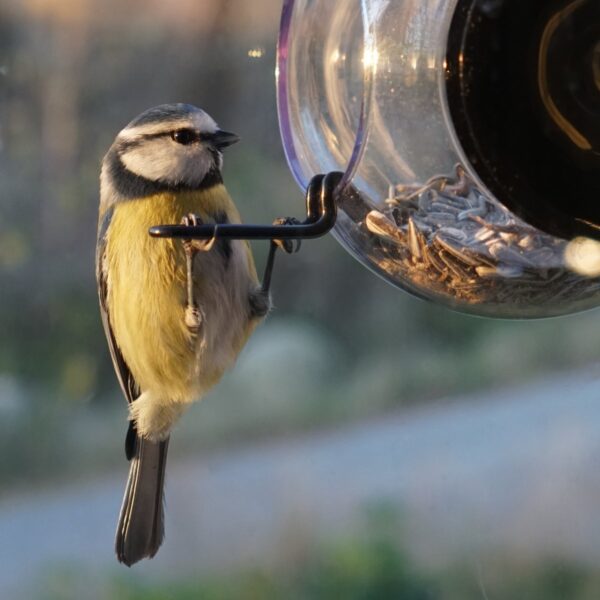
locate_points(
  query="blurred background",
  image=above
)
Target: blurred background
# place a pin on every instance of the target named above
(367, 444)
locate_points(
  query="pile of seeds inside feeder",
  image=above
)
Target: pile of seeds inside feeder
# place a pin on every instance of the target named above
(448, 236)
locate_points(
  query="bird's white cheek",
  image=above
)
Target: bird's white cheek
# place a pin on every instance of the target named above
(151, 163)
(160, 161)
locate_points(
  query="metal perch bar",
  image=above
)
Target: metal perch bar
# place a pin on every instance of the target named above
(320, 218)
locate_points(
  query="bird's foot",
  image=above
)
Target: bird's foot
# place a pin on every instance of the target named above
(287, 245)
(193, 246)
(193, 319)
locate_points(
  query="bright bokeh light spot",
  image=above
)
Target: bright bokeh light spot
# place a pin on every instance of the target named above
(256, 53)
(582, 255)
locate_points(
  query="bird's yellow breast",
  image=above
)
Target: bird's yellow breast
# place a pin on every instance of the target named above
(146, 288)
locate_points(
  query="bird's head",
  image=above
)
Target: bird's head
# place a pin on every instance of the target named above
(171, 146)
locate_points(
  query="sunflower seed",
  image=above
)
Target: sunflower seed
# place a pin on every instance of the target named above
(452, 239)
(381, 225)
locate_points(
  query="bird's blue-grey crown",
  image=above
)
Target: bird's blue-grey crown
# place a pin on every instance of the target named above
(171, 147)
(165, 112)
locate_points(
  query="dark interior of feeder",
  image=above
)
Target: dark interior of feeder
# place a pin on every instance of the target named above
(523, 88)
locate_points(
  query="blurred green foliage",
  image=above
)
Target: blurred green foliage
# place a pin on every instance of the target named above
(372, 565)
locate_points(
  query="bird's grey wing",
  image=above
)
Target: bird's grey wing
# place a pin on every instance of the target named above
(128, 384)
(126, 380)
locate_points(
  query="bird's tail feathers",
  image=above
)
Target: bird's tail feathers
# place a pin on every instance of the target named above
(140, 531)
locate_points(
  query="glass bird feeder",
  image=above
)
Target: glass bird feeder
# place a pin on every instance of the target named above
(468, 132)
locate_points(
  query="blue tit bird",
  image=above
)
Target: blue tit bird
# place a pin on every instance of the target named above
(176, 314)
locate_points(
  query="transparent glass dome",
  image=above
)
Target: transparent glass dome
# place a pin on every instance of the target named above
(366, 87)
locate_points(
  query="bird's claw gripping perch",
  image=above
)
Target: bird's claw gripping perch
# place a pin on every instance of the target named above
(192, 245)
(287, 245)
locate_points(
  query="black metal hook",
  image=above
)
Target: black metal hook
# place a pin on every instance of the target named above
(321, 214)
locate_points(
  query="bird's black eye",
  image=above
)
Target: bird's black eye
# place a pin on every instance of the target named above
(184, 136)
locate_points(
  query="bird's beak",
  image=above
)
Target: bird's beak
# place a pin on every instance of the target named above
(222, 139)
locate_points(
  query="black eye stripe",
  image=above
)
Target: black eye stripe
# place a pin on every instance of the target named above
(197, 137)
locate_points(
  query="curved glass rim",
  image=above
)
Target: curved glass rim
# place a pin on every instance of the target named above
(283, 108)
